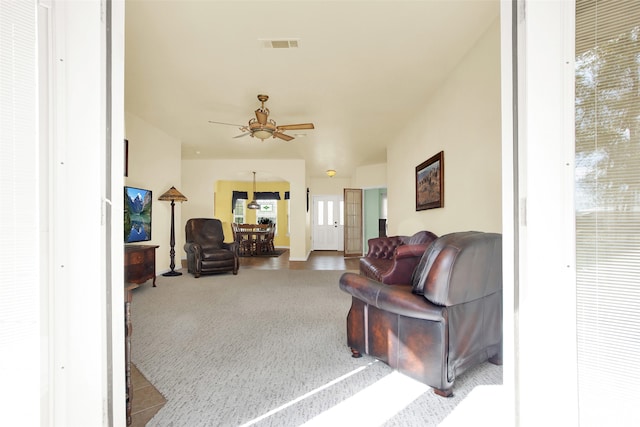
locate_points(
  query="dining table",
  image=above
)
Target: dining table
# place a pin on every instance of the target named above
(253, 239)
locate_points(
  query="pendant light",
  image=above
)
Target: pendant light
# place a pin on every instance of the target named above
(253, 204)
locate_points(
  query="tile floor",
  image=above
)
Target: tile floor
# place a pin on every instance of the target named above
(146, 399)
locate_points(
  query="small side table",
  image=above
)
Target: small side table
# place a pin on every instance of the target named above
(140, 263)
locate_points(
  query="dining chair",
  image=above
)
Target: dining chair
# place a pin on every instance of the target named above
(266, 239)
(244, 237)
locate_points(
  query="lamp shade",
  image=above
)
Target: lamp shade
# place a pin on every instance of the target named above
(173, 195)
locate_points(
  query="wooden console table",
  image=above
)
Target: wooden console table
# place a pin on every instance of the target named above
(140, 263)
(139, 266)
(128, 296)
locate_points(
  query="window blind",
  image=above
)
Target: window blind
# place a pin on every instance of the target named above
(608, 210)
(237, 195)
(20, 334)
(266, 195)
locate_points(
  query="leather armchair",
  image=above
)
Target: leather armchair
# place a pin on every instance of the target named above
(206, 250)
(442, 320)
(390, 259)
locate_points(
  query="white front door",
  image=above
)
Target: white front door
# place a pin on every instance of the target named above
(328, 223)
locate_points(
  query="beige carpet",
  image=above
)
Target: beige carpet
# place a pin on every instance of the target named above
(268, 348)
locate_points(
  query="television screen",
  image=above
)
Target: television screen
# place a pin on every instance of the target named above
(137, 214)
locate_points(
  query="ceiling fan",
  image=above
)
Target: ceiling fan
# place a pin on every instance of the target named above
(262, 127)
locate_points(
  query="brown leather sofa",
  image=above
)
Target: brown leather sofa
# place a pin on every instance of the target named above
(390, 259)
(207, 252)
(442, 320)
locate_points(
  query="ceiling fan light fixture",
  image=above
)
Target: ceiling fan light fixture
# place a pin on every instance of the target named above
(262, 130)
(262, 127)
(262, 134)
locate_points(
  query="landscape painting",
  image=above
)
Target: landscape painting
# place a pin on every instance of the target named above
(430, 183)
(137, 214)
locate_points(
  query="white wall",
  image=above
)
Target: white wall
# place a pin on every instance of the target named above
(368, 176)
(199, 178)
(462, 118)
(371, 176)
(328, 186)
(155, 164)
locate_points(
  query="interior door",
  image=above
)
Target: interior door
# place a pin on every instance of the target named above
(353, 237)
(328, 223)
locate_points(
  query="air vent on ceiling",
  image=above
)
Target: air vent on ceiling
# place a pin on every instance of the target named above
(280, 44)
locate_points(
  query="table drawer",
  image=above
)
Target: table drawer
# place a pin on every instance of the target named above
(135, 258)
(140, 263)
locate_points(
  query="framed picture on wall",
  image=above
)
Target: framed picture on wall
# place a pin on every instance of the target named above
(430, 183)
(137, 214)
(126, 157)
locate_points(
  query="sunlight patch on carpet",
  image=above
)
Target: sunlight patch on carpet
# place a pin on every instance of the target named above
(306, 395)
(373, 405)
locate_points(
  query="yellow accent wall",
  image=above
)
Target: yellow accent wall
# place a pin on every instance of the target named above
(222, 207)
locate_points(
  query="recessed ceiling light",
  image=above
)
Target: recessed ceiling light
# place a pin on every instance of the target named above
(300, 135)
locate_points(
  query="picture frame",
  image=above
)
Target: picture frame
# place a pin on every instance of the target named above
(430, 183)
(137, 214)
(126, 157)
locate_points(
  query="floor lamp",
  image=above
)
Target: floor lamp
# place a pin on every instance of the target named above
(173, 195)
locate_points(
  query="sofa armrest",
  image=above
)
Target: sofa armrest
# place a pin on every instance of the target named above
(411, 251)
(193, 249)
(194, 257)
(233, 246)
(394, 299)
(406, 259)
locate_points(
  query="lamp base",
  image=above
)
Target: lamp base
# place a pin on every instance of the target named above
(172, 273)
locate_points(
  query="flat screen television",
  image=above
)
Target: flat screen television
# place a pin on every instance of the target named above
(137, 214)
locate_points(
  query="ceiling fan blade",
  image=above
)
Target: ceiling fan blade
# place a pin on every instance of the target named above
(241, 135)
(222, 123)
(297, 127)
(261, 116)
(282, 136)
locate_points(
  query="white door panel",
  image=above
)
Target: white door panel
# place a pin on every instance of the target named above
(328, 223)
